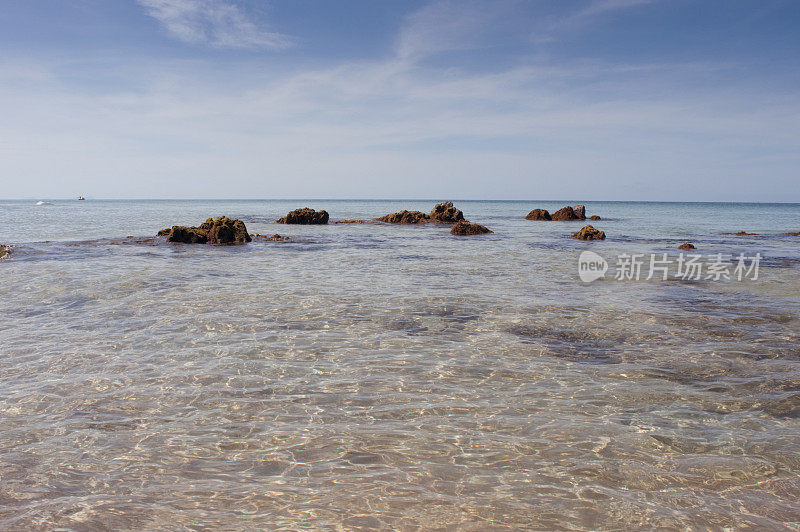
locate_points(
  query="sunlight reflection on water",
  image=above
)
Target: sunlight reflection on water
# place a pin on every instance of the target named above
(392, 377)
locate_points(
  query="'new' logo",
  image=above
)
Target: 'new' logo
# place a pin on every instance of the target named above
(591, 266)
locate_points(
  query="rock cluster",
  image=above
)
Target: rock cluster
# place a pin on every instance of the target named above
(578, 212)
(446, 213)
(687, 245)
(405, 217)
(589, 233)
(222, 231)
(305, 216)
(465, 228)
(567, 214)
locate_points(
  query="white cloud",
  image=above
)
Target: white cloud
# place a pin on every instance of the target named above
(552, 28)
(376, 129)
(214, 22)
(604, 6)
(398, 128)
(446, 25)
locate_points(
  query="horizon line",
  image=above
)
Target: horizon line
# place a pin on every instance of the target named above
(571, 201)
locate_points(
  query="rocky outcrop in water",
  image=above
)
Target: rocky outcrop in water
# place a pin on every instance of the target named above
(595, 217)
(465, 228)
(305, 216)
(740, 233)
(539, 214)
(187, 235)
(405, 217)
(4, 251)
(687, 246)
(446, 213)
(565, 214)
(217, 232)
(589, 233)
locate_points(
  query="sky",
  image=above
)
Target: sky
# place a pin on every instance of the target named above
(654, 100)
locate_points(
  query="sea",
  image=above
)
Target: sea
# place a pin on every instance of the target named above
(383, 377)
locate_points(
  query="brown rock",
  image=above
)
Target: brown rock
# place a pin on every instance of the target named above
(165, 232)
(564, 215)
(305, 216)
(580, 211)
(595, 217)
(278, 238)
(187, 235)
(405, 217)
(796, 233)
(446, 213)
(465, 228)
(4, 251)
(222, 231)
(538, 214)
(740, 233)
(687, 245)
(589, 233)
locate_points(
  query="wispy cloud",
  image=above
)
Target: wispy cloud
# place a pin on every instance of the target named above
(217, 23)
(603, 6)
(446, 25)
(580, 18)
(400, 127)
(373, 129)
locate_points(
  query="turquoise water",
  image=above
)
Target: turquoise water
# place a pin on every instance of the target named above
(373, 376)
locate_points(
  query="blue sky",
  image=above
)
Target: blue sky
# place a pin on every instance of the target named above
(504, 99)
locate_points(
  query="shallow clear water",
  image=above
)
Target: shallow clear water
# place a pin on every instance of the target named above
(371, 376)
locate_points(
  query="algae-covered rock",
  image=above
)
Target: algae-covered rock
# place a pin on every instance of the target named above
(405, 217)
(446, 213)
(589, 233)
(305, 216)
(465, 228)
(187, 235)
(217, 232)
(224, 230)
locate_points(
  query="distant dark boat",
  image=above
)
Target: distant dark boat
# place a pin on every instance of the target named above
(81, 198)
